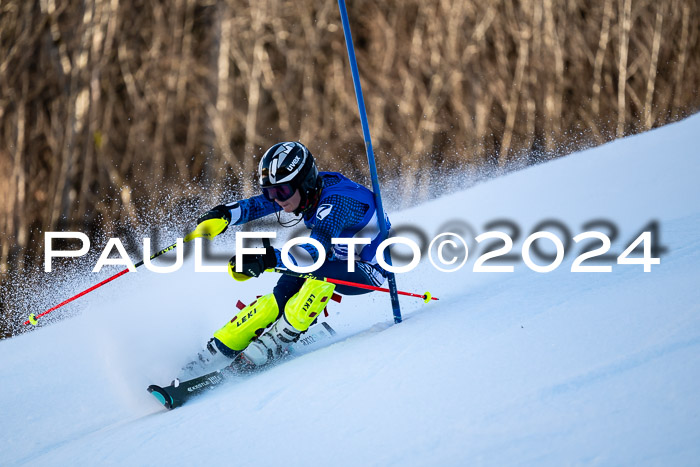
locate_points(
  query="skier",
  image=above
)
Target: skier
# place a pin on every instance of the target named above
(332, 206)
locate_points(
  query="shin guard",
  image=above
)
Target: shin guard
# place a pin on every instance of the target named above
(303, 308)
(248, 323)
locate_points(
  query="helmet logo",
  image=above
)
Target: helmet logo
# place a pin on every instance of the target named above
(273, 170)
(284, 149)
(291, 166)
(286, 163)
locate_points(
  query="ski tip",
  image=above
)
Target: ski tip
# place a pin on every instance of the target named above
(162, 396)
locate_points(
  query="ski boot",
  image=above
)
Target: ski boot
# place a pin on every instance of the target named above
(208, 359)
(299, 313)
(233, 337)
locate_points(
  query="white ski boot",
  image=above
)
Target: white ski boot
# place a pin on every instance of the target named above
(207, 360)
(273, 344)
(300, 312)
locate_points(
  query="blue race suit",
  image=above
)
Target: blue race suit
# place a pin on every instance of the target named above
(345, 209)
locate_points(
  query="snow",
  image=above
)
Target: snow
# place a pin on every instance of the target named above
(506, 368)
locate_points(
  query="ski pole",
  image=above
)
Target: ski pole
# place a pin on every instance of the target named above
(206, 229)
(427, 296)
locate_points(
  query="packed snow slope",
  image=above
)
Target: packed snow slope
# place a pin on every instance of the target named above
(506, 368)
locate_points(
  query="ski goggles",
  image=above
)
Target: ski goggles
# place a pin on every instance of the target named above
(280, 192)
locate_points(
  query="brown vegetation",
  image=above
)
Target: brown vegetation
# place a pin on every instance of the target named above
(102, 100)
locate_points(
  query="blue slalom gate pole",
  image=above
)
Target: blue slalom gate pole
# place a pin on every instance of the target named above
(370, 155)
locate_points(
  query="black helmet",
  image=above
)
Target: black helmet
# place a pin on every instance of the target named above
(286, 167)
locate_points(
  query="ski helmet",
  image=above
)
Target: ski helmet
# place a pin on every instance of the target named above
(286, 167)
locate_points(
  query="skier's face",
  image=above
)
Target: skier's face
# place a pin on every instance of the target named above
(290, 204)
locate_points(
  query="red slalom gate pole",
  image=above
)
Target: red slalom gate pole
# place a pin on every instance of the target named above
(426, 296)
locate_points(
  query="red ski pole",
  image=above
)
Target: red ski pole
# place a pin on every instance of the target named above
(207, 229)
(33, 319)
(426, 296)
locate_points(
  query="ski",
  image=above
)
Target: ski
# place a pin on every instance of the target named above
(178, 392)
